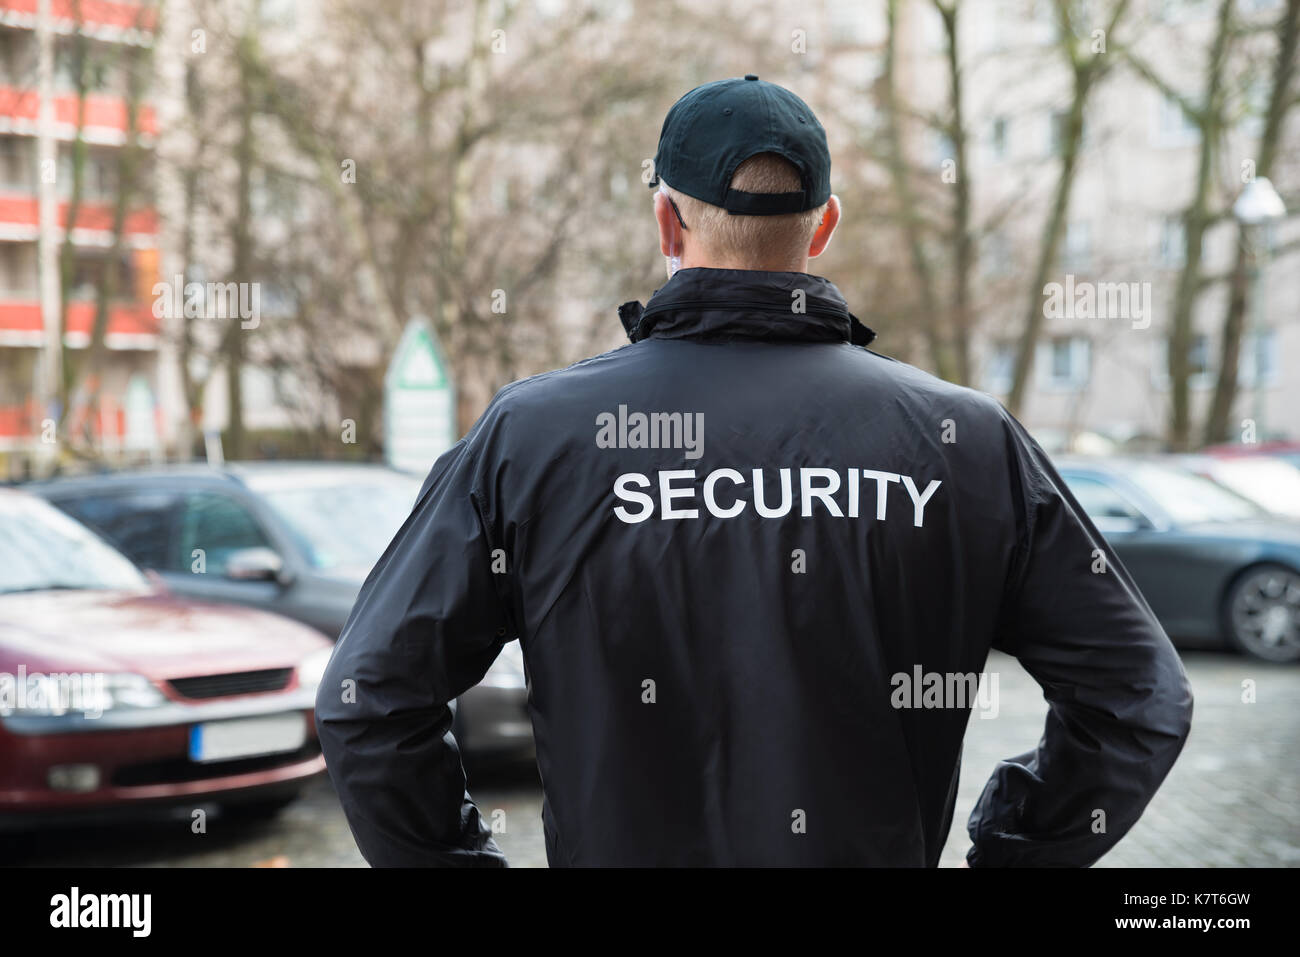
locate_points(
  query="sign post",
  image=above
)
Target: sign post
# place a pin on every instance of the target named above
(419, 401)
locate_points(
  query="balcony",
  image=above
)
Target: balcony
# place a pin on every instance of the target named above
(20, 222)
(113, 427)
(107, 20)
(131, 325)
(105, 122)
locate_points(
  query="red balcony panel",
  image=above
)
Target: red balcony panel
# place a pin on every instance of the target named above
(105, 111)
(19, 420)
(102, 111)
(18, 210)
(20, 322)
(93, 12)
(22, 422)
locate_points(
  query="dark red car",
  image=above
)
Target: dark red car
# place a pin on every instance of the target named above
(115, 694)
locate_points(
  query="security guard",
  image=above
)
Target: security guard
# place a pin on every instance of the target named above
(756, 570)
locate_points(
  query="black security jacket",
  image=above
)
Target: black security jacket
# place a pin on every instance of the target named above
(719, 625)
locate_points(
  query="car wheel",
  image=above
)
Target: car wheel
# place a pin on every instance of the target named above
(1262, 613)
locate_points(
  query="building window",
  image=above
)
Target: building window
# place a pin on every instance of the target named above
(1258, 362)
(1078, 246)
(1173, 242)
(1259, 91)
(998, 137)
(1068, 362)
(1057, 124)
(941, 149)
(1181, 11)
(1174, 127)
(1200, 363)
(999, 368)
(996, 258)
(16, 163)
(94, 70)
(18, 57)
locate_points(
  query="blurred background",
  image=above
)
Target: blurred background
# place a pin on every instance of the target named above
(261, 261)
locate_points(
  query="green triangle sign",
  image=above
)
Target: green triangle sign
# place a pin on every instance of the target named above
(417, 364)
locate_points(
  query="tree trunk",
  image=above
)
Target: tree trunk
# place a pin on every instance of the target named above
(1196, 220)
(1050, 244)
(963, 245)
(930, 319)
(242, 244)
(1217, 424)
(1086, 72)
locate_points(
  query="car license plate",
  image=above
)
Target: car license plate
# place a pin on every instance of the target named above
(247, 737)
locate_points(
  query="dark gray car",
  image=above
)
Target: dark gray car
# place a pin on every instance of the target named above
(293, 538)
(1215, 568)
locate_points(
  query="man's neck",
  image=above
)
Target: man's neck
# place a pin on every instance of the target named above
(708, 262)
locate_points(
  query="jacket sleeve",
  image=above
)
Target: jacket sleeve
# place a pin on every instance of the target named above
(1120, 705)
(427, 625)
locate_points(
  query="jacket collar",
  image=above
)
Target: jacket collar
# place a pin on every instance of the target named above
(725, 304)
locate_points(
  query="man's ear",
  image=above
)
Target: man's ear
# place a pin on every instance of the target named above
(670, 230)
(821, 239)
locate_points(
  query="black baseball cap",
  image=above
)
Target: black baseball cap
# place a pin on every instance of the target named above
(716, 127)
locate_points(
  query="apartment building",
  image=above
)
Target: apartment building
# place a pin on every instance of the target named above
(1096, 371)
(41, 118)
(1092, 372)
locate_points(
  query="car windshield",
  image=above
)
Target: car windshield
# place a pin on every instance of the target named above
(41, 549)
(1271, 483)
(344, 523)
(1190, 498)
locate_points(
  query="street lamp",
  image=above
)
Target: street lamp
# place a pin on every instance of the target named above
(1258, 203)
(1257, 207)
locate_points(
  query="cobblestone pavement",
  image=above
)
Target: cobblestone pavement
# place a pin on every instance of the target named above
(1232, 799)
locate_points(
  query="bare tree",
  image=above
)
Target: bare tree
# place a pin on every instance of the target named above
(961, 238)
(930, 315)
(1207, 115)
(1087, 62)
(1281, 100)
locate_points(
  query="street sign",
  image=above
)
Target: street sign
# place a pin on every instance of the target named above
(419, 402)
(141, 420)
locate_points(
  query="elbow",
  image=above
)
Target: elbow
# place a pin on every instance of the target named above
(1181, 704)
(331, 700)
(1185, 715)
(1171, 720)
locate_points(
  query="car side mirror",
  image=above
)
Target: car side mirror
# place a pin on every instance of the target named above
(255, 565)
(1120, 524)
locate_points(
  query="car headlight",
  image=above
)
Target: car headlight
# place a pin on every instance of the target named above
(312, 668)
(89, 694)
(131, 691)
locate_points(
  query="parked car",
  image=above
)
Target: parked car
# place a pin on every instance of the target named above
(1215, 568)
(293, 538)
(1271, 483)
(1277, 448)
(117, 695)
